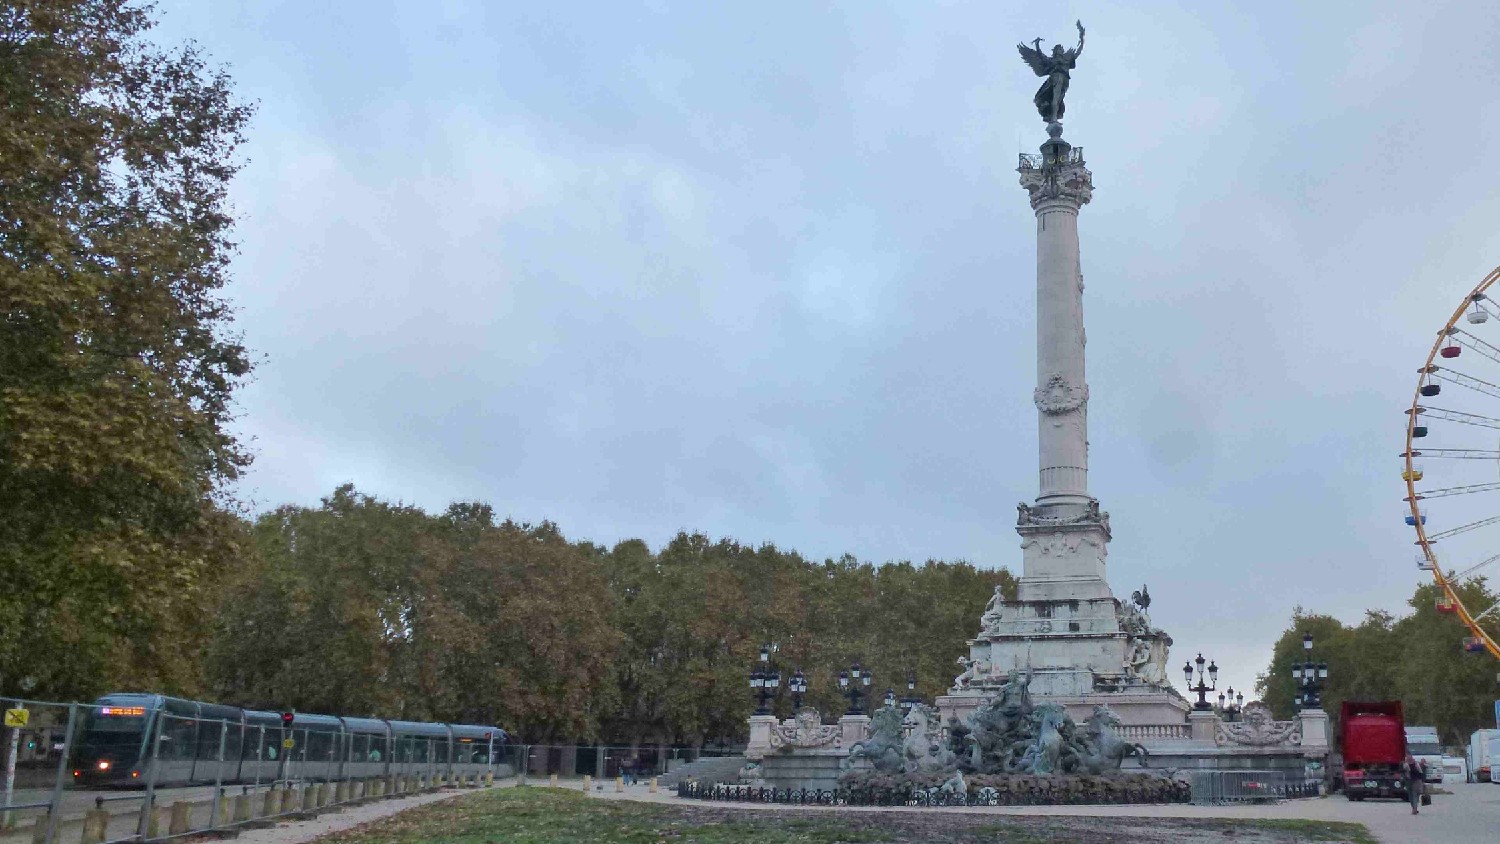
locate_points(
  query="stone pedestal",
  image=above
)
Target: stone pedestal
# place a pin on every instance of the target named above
(760, 736)
(853, 728)
(1314, 724)
(1201, 724)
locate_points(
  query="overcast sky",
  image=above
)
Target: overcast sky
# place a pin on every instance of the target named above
(764, 271)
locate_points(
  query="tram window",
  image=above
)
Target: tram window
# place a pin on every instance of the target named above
(270, 750)
(208, 739)
(232, 742)
(440, 751)
(178, 738)
(319, 746)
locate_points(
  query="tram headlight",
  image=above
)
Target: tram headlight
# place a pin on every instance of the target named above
(103, 764)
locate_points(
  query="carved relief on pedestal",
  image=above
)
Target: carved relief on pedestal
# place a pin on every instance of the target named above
(806, 730)
(1257, 729)
(1028, 516)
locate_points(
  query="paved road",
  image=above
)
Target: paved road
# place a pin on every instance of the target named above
(1471, 815)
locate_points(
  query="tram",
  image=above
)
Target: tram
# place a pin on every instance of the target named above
(200, 743)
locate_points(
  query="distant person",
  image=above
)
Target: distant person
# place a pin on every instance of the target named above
(627, 770)
(1414, 781)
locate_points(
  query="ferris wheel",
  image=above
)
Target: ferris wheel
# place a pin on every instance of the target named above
(1453, 458)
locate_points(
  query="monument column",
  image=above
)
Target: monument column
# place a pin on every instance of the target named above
(1059, 185)
(1064, 534)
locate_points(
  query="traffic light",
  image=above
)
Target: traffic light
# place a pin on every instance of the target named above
(287, 718)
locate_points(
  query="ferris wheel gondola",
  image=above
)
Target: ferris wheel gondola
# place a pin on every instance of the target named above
(1463, 464)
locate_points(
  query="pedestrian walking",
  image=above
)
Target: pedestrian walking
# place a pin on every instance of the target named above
(627, 770)
(1414, 781)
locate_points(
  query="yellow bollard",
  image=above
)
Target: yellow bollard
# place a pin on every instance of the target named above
(619, 784)
(309, 797)
(341, 793)
(653, 785)
(489, 778)
(271, 803)
(182, 818)
(552, 780)
(587, 781)
(223, 809)
(95, 822)
(241, 808)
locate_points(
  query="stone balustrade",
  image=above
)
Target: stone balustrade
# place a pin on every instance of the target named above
(1154, 731)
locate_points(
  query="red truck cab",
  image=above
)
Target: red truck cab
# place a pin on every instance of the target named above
(1374, 740)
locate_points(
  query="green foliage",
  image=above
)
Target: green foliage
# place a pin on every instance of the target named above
(365, 607)
(115, 368)
(1416, 659)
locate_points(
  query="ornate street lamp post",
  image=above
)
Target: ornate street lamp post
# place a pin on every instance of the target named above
(855, 684)
(1308, 677)
(1231, 705)
(798, 688)
(911, 698)
(1202, 688)
(890, 698)
(765, 682)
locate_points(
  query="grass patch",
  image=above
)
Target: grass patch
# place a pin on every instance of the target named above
(1305, 830)
(528, 815)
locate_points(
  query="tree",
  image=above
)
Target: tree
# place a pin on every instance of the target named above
(1416, 659)
(116, 365)
(323, 617)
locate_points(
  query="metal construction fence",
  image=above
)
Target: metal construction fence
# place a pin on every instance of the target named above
(1227, 786)
(116, 774)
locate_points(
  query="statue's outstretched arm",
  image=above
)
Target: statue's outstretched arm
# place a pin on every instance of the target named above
(1079, 49)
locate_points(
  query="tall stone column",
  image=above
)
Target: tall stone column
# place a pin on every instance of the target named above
(1064, 534)
(1059, 187)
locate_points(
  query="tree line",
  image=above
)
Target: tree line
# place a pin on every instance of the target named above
(1415, 658)
(362, 606)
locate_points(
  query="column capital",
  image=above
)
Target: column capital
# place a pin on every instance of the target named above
(1064, 186)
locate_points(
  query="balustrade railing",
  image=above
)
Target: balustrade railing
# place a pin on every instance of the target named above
(1139, 732)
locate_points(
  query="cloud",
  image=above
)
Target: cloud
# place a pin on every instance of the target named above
(765, 272)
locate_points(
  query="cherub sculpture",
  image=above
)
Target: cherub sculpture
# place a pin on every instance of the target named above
(1049, 97)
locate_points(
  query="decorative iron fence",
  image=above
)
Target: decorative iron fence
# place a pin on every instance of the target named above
(987, 796)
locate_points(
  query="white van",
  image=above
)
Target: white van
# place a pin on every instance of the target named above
(1484, 752)
(1422, 743)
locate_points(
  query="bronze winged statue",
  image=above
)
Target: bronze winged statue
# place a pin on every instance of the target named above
(1049, 97)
